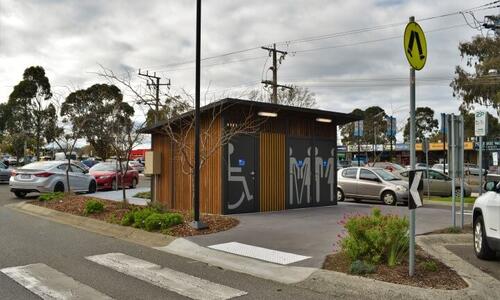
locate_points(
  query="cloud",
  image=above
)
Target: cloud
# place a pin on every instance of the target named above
(71, 38)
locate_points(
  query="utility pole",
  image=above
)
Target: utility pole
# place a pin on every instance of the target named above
(274, 83)
(153, 80)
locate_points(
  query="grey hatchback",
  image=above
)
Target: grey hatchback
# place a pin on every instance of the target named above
(371, 184)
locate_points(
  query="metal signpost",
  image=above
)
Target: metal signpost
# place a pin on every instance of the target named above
(358, 132)
(415, 48)
(480, 130)
(456, 163)
(425, 145)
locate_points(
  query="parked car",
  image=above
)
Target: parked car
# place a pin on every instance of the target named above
(136, 166)
(5, 172)
(473, 169)
(50, 176)
(391, 167)
(485, 220)
(439, 184)
(441, 167)
(371, 183)
(108, 176)
(90, 162)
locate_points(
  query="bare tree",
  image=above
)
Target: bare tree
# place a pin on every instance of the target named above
(295, 96)
(125, 137)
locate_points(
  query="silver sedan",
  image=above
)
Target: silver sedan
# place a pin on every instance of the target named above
(50, 176)
(371, 184)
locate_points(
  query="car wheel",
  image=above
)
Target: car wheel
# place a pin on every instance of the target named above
(114, 186)
(92, 187)
(20, 195)
(481, 248)
(389, 198)
(59, 187)
(457, 192)
(134, 183)
(340, 195)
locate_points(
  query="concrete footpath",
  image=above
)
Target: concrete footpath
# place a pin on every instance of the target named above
(118, 196)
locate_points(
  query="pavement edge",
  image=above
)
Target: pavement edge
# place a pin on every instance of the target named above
(130, 234)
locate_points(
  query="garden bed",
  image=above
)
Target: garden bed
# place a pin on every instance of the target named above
(115, 211)
(442, 277)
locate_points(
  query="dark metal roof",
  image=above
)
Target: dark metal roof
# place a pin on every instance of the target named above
(337, 117)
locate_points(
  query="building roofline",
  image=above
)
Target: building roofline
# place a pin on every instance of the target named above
(338, 118)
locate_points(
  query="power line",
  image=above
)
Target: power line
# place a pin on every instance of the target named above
(331, 35)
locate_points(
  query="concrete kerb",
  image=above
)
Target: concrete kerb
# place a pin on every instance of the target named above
(130, 234)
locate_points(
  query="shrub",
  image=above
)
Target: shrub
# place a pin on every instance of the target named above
(144, 195)
(93, 206)
(163, 221)
(359, 267)
(128, 218)
(51, 196)
(429, 265)
(376, 238)
(141, 215)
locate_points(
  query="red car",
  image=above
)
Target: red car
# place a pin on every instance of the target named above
(108, 176)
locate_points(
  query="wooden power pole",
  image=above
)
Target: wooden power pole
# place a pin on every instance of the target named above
(274, 83)
(153, 80)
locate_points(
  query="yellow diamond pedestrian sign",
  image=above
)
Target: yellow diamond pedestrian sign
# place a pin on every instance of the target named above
(415, 46)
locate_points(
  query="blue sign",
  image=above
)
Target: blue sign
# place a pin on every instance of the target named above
(391, 126)
(241, 162)
(301, 162)
(443, 123)
(325, 163)
(358, 128)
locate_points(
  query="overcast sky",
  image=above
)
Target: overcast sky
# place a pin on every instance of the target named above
(71, 38)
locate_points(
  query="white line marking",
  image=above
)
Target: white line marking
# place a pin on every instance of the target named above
(50, 284)
(274, 256)
(178, 282)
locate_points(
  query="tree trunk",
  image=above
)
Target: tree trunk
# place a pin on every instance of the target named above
(67, 175)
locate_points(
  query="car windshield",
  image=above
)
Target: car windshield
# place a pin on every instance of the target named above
(41, 165)
(387, 176)
(104, 167)
(398, 167)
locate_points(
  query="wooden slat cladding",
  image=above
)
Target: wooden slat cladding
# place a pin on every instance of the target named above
(176, 191)
(272, 171)
(162, 146)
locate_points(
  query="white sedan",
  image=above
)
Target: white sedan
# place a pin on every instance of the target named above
(50, 176)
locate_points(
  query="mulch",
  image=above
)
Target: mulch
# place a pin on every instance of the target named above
(443, 278)
(114, 212)
(467, 229)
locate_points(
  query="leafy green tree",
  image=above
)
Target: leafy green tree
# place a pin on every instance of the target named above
(479, 87)
(96, 109)
(425, 122)
(374, 125)
(296, 96)
(27, 106)
(3, 118)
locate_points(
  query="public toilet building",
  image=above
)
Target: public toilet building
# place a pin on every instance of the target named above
(256, 156)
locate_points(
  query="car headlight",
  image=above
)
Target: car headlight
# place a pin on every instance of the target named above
(401, 188)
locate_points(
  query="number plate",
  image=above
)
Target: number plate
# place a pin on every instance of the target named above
(25, 176)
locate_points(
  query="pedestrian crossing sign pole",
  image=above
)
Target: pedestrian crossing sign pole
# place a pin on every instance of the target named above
(415, 49)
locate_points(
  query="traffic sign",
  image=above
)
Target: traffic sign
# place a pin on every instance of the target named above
(415, 45)
(416, 186)
(481, 123)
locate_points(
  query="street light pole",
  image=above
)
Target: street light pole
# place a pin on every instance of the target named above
(197, 224)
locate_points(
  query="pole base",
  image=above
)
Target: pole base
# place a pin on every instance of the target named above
(198, 225)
